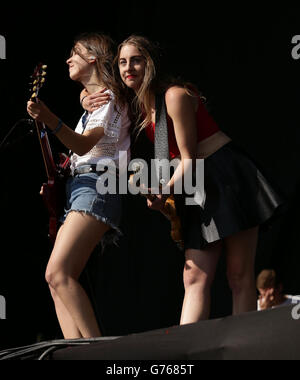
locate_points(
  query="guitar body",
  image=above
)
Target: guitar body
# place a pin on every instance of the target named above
(53, 196)
(170, 212)
(49, 194)
(53, 192)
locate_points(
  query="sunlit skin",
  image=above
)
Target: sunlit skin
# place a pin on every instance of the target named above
(80, 233)
(81, 69)
(132, 70)
(200, 265)
(132, 67)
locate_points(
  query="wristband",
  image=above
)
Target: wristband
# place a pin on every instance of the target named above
(58, 128)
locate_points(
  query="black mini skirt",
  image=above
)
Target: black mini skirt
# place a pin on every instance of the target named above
(238, 197)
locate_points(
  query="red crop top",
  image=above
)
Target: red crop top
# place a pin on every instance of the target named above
(206, 126)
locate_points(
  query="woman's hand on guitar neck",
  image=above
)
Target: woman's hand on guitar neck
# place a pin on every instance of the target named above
(40, 112)
(76, 142)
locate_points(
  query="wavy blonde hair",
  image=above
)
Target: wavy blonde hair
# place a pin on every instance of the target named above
(155, 80)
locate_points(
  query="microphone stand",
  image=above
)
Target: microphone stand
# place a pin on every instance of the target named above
(30, 122)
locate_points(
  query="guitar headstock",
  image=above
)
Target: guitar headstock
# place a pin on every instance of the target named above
(38, 79)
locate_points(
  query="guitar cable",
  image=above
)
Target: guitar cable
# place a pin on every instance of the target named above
(4, 142)
(41, 350)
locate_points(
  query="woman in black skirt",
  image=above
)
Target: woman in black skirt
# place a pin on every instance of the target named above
(238, 198)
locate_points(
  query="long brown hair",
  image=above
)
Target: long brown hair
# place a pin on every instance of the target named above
(155, 79)
(103, 48)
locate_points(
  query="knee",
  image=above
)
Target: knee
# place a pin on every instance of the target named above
(239, 280)
(196, 277)
(55, 278)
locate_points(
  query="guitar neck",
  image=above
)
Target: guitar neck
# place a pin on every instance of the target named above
(46, 150)
(38, 78)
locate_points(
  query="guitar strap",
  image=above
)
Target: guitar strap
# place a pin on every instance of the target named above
(161, 144)
(162, 160)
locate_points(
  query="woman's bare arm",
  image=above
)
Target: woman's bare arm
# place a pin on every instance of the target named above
(181, 108)
(77, 143)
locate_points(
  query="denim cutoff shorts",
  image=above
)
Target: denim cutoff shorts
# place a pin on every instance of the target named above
(82, 196)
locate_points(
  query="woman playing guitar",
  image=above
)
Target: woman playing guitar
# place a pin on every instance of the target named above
(91, 217)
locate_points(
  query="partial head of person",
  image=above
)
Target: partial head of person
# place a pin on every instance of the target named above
(138, 62)
(91, 60)
(140, 68)
(268, 281)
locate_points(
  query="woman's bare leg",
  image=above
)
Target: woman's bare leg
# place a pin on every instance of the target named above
(73, 247)
(198, 275)
(240, 254)
(66, 322)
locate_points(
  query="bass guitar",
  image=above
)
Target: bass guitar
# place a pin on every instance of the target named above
(53, 191)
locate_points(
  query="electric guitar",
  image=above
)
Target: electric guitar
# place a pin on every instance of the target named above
(54, 189)
(169, 211)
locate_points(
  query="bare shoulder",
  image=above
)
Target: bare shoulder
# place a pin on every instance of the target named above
(178, 98)
(176, 93)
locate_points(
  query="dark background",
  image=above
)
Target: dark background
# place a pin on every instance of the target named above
(239, 56)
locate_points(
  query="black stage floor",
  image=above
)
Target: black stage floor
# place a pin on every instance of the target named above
(266, 335)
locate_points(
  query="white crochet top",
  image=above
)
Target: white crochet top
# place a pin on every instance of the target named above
(115, 123)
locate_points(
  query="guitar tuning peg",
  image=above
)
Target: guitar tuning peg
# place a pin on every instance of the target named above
(35, 82)
(33, 95)
(44, 73)
(43, 80)
(34, 88)
(44, 67)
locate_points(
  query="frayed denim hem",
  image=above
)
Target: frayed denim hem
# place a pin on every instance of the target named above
(111, 236)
